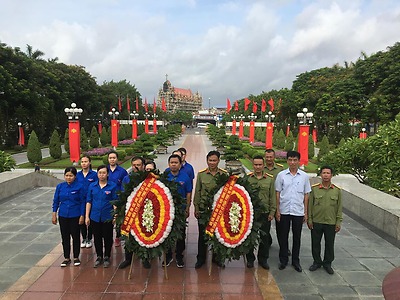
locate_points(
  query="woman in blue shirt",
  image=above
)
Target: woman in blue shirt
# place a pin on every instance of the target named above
(86, 177)
(100, 214)
(69, 201)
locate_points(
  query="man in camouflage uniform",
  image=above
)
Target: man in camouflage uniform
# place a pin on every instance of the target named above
(324, 219)
(265, 183)
(206, 181)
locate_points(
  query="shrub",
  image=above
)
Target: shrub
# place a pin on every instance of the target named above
(34, 152)
(310, 146)
(84, 140)
(66, 140)
(105, 138)
(7, 162)
(55, 145)
(94, 138)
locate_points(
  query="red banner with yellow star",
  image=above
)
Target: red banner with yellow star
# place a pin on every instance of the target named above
(114, 133)
(74, 141)
(303, 144)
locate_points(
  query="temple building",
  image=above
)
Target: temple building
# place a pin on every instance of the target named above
(178, 99)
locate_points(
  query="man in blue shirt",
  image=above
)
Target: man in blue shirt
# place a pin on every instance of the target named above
(116, 174)
(186, 167)
(185, 187)
(292, 191)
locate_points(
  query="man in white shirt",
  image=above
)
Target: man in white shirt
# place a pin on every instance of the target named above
(292, 187)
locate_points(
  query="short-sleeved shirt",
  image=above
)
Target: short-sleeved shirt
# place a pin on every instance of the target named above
(117, 176)
(100, 198)
(267, 194)
(185, 168)
(292, 189)
(69, 200)
(185, 185)
(325, 205)
(204, 184)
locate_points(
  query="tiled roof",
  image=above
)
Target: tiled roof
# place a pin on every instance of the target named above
(183, 92)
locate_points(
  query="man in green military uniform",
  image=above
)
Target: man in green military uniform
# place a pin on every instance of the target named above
(206, 181)
(271, 167)
(324, 219)
(265, 183)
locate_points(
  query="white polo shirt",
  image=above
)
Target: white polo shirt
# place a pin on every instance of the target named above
(292, 189)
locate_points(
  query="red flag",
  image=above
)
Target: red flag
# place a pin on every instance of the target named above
(246, 103)
(263, 105)
(114, 133)
(21, 137)
(154, 105)
(145, 105)
(137, 105)
(228, 105)
(163, 105)
(119, 104)
(236, 105)
(128, 105)
(74, 141)
(254, 107)
(271, 104)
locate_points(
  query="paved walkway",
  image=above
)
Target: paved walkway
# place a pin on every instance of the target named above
(31, 255)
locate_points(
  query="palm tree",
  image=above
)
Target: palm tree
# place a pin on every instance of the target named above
(36, 55)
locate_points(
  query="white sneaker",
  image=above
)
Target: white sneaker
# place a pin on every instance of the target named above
(83, 244)
(88, 244)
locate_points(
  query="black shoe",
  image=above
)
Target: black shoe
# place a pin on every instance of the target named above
(314, 267)
(297, 267)
(180, 263)
(250, 264)
(124, 264)
(98, 262)
(198, 264)
(281, 266)
(146, 264)
(264, 265)
(168, 262)
(219, 263)
(329, 270)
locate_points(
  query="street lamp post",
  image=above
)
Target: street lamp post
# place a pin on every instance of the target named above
(21, 136)
(74, 130)
(134, 116)
(234, 124)
(241, 117)
(363, 134)
(252, 117)
(155, 123)
(305, 118)
(269, 130)
(114, 127)
(146, 122)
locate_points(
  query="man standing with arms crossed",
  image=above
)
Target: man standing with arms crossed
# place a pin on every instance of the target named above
(324, 219)
(265, 183)
(292, 191)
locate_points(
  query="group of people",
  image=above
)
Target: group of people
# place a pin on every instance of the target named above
(83, 203)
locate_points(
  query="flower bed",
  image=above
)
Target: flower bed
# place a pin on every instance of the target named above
(126, 142)
(98, 152)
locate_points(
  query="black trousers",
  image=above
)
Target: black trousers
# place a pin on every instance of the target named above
(201, 244)
(86, 231)
(102, 231)
(180, 246)
(69, 227)
(328, 231)
(265, 242)
(283, 228)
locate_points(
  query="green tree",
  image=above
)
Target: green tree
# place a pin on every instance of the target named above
(34, 152)
(84, 140)
(280, 140)
(66, 140)
(289, 142)
(104, 137)
(55, 145)
(323, 147)
(310, 147)
(94, 138)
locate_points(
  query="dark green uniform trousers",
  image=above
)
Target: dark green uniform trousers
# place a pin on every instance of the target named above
(328, 231)
(265, 242)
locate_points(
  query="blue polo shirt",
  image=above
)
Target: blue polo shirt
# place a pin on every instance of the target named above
(100, 198)
(90, 178)
(184, 183)
(185, 168)
(117, 176)
(69, 200)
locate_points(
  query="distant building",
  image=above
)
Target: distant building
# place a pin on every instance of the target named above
(178, 99)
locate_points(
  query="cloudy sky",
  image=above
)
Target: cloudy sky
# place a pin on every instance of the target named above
(223, 49)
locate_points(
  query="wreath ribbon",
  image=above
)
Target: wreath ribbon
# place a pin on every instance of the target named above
(220, 205)
(135, 205)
